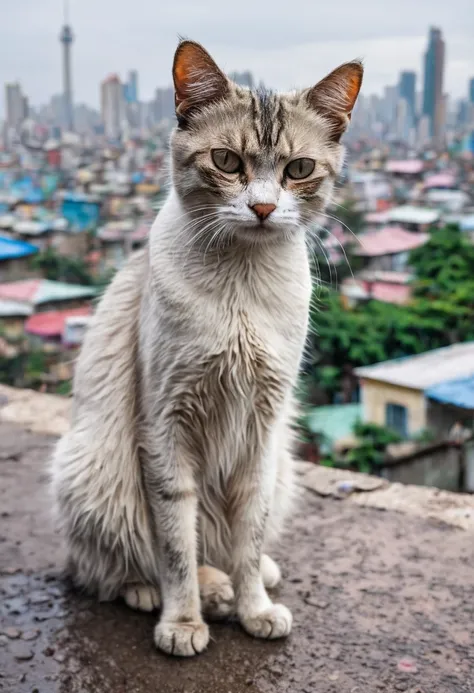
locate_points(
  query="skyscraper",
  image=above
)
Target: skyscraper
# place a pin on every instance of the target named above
(433, 104)
(471, 91)
(66, 37)
(407, 91)
(132, 86)
(16, 105)
(112, 106)
(243, 79)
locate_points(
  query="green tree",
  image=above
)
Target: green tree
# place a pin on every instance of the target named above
(58, 267)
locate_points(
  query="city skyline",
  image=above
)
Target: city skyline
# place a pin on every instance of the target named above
(123, 41)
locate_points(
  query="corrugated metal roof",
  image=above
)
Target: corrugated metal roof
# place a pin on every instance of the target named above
(59, 291)
(389, 241)
(51, 323)
(425, 370)
(36, 291)
(440, 180)
(408, 214)
(405, 166)
(459, 393)
(11, 249)
(10, 309)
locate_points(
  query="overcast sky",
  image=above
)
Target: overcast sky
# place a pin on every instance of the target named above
(287, 44)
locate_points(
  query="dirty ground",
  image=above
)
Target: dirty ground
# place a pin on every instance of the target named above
(382, 601)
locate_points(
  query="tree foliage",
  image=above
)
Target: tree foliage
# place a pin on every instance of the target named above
(57, 267)
(441, 313)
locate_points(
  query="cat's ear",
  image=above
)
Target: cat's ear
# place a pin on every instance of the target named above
(335, 96)
(197, 79)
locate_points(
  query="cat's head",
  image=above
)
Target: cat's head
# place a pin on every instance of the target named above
(256, 164)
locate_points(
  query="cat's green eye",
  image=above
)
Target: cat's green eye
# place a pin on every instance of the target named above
(226, 160)
(300, 168)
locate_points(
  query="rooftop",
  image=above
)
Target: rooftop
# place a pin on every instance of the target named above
(425, 370)
(440, 180)
(406, 166)
(458, 393)
(409, 214)
(11, 249)
(37, 291)
(51, 323)
(388, 241)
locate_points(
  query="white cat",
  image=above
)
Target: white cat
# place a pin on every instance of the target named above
(177, 470)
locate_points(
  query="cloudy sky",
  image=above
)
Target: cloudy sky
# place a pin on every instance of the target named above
(287, 44)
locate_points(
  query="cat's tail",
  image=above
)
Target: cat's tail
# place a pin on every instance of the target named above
(97, 478)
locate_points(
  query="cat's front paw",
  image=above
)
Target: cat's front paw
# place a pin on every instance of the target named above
(274, 622)
(181, 639)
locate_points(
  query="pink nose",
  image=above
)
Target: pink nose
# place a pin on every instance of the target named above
(263, 211)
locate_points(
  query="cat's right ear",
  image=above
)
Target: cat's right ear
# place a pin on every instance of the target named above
(197, 80)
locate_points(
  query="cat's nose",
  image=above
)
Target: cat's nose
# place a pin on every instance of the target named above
(263, 211)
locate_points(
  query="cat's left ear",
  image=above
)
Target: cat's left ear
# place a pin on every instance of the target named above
(335, 96)
(197, 79)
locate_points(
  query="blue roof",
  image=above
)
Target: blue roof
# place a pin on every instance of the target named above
(459, 393)
(10, 249)
(467, 223)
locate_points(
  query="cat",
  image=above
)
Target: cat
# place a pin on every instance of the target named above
(177, 470)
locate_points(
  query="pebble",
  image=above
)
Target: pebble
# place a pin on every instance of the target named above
(74, 665)
(39, 597)
(407, 666)
(59, 657)
(21, 651)
(48, 651)
(17, 606)
(12, 633)
(316, 602)
(30, 634)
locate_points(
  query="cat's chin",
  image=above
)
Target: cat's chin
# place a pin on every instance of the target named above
(265, 233)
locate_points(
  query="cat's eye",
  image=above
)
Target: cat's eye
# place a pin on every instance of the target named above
(300, 168)
(226, 160)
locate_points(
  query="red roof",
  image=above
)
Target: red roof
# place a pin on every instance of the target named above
(406, 166)
(51, 323)
(440, 180)
(389, 241)
(21, 290)
(391, 293)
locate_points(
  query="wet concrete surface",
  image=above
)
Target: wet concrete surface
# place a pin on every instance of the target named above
(381, 601)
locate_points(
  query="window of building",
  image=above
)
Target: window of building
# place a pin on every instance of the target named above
(396, 418)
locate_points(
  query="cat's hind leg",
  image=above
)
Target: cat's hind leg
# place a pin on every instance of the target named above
(217, 594)
(271, 573)
(215, 587)
(141, 597)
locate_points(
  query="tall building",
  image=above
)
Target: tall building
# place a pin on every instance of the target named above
(433, 104)
(389, 105)
(164, 105)
(403, 120)
(111, 102)
(407, 91)
(471, 90)
(243, 79)
(132, 87)
(66, 38)
(16, 105)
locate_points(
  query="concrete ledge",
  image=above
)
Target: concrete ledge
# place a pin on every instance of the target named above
(455, 509)
(34, 411)
(49, 414)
